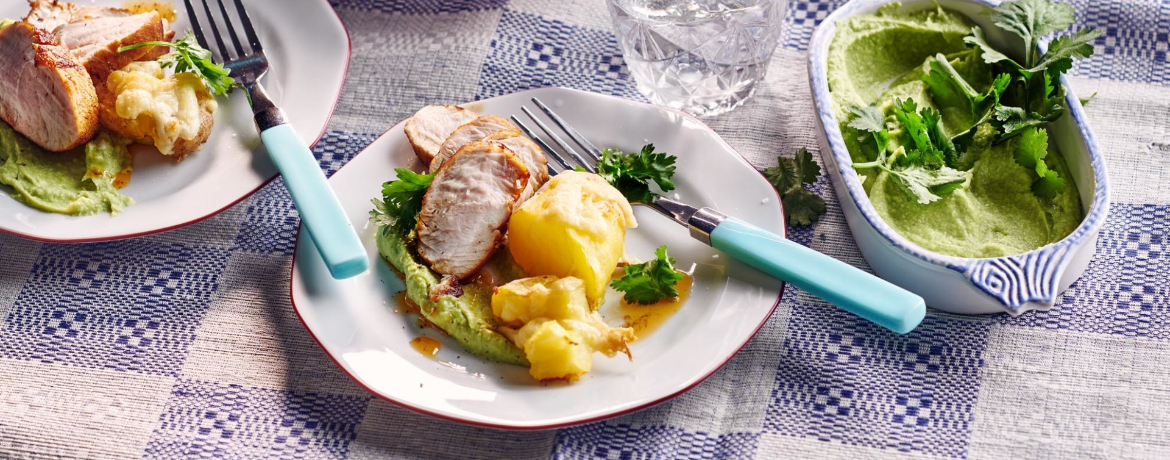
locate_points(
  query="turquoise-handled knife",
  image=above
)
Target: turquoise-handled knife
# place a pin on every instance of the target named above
(840, 284)
(321, 212)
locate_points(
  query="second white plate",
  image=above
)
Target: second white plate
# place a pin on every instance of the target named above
(309, 53)
(355, 322)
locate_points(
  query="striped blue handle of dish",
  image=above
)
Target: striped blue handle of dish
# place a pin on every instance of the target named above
(321, 212)
(840, 284)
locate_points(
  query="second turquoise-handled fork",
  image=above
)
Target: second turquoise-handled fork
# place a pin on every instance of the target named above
(838, 283)
(321, 212)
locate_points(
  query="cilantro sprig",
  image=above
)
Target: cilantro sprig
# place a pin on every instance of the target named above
(801, 206)
(401, 201)
(632, 173)
(1031, 149)
(1035, 96)
(187, 56)
(649, 282)
(921, 168)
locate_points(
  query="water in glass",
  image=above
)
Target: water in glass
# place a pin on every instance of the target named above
(701, 56)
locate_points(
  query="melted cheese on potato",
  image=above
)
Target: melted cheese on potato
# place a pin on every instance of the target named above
(171, 104)
(576, 226)
(550, 319)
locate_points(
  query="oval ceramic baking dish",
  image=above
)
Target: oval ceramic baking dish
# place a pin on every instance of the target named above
(1014, 284)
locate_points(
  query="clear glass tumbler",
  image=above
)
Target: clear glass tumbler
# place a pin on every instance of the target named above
(701, 56)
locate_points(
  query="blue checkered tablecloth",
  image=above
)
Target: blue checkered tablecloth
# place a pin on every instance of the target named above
(184, 344)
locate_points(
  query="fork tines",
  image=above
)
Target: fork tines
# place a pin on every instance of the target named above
(591, 151)
(221, 44)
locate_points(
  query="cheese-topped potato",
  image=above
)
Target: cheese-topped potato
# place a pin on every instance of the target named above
(575, 227)
(172, 112)
(557, 329)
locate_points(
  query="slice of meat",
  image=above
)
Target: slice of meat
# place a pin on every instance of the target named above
(94, 33)
(467, 133)
(431, 125)
(533, 158)
(47, 95)
(95, 42)
(466, 208)
(51, 14)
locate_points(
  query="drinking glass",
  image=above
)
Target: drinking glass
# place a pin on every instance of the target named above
(702, 56)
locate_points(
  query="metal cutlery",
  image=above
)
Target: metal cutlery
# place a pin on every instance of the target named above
(838, 283)
(321, 212)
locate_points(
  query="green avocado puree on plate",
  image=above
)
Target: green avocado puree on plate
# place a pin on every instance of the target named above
(77, 182)
(876, 58)
(468, 318)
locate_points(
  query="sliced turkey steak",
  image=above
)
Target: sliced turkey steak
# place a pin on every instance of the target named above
(431, 125)
(94, 33)
(95, 42)
(45, 93)
(533, 158)
(466, 209)
(470, 132)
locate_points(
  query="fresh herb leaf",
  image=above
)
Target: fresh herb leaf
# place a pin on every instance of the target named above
(1031, 149)
(1048, 186)
(401, 201)
(783, 176)
(948, 88)
(1031, 20)
(868, 119)
(871, 120)
(649, 282)
(926, 185)
(187, 56)
(1063, 50)
(632, 174)
(922, 171)
(1086, 100)
(801, 206)
(990, 55)
(927, 150)
(1014, 120)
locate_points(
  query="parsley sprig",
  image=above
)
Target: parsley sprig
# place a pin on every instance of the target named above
(649, 282)
(401, 201)
(1035, 96)
(632, 173)
(923, 169)
(187, 56)
(1022, 98)
(801, 206)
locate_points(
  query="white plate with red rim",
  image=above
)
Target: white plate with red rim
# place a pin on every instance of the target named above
(355, 321)
(308, 48)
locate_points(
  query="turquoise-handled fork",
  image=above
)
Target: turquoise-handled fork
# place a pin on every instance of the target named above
(838, 283)
(320, 211)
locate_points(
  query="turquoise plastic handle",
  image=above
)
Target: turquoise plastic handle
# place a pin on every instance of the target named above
(321, 213)
(838, 283)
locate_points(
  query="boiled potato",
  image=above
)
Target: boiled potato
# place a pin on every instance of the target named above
(558, 331)
(547, 297)
(555, 352)
(575, 227)
(165, 109)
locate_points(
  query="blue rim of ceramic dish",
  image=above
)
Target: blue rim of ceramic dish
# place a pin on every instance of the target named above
(1014, 281)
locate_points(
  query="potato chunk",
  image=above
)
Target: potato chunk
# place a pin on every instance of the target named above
(575, 227)
(558, 331)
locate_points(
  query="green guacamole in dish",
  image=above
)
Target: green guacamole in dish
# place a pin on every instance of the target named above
(78, 182)
(877, 59)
